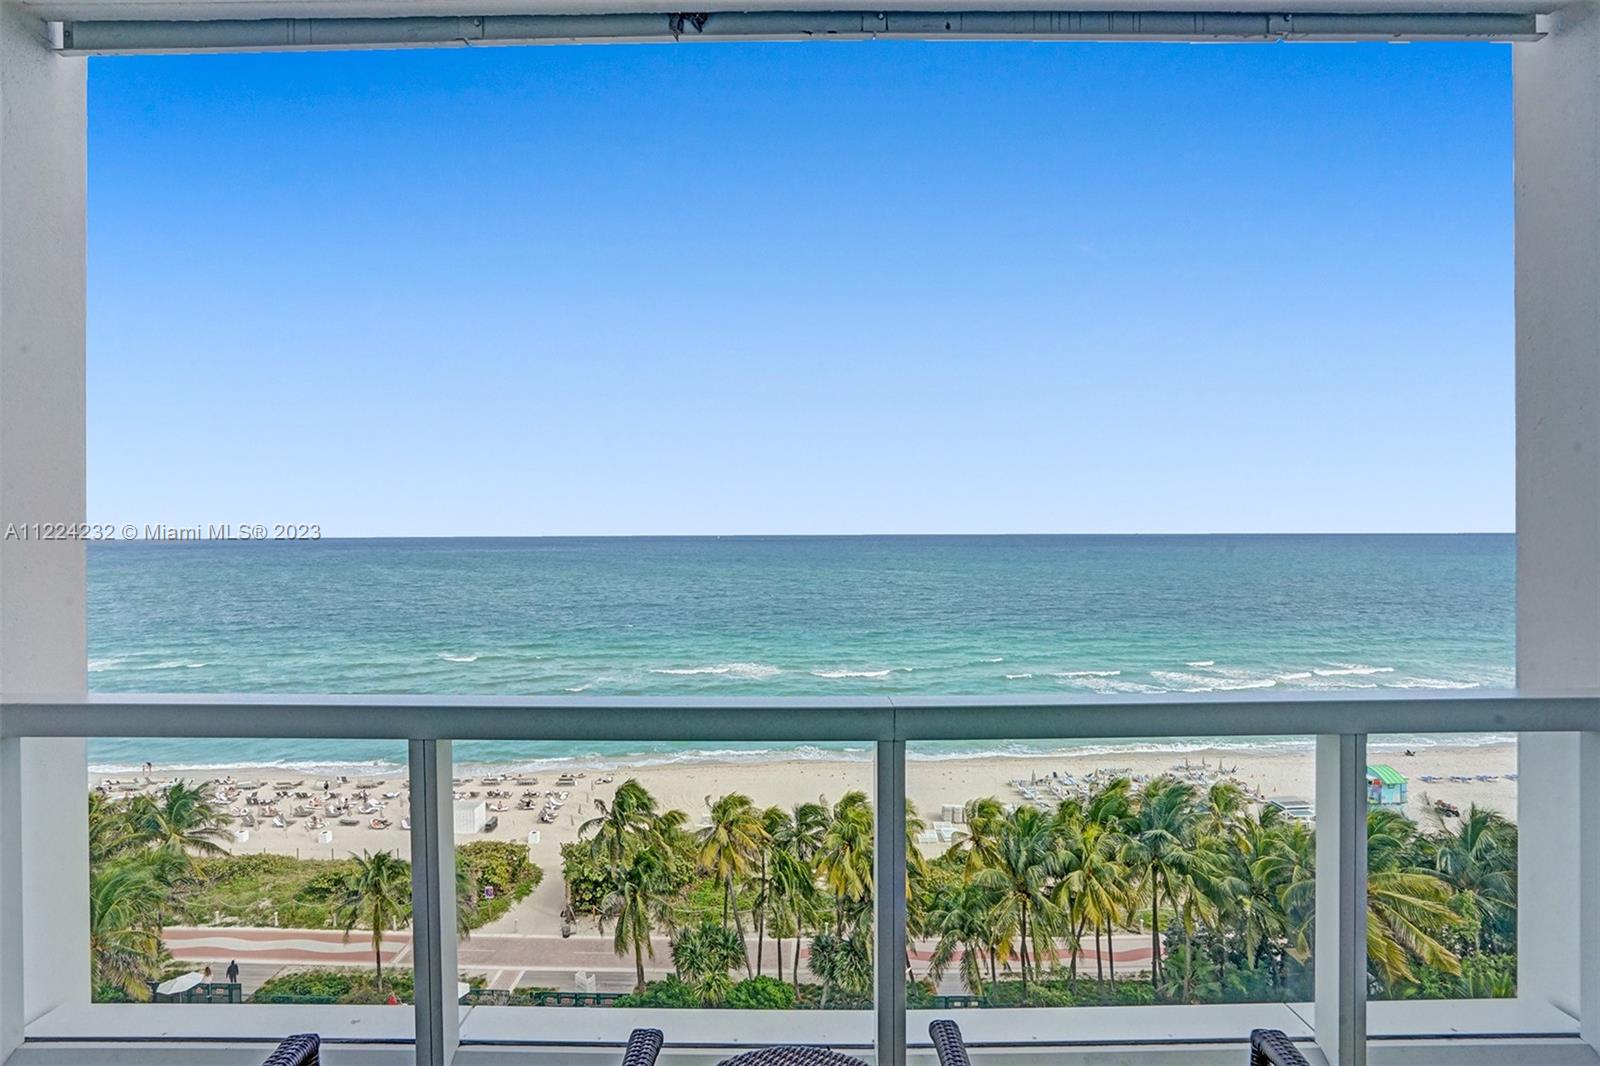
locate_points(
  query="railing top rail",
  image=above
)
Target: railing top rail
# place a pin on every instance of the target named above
(220, 30)
(798, 718)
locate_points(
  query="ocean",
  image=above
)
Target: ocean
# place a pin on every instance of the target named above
(783, 616)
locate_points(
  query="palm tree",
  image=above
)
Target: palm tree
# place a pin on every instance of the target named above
(630, 814)
(844, 860)
(982, 818)
(110, 833)
(960, 920)
(842, 962)
(1478, 858)
(728, 848)
(794, 881)
(1025, 861)
(181, 820)
(636, 901)
(125, 947)
(376, 895)
(774, 821)
(704, 955)
(916, 870)
(1408, 904)
(1096, 888)
(1279, 897)
(1160, 848)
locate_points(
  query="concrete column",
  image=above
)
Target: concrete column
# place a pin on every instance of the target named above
(1557, 179)
(42, 613)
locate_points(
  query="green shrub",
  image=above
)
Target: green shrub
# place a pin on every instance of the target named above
(670, 992)
(323, 885)
(585, 877)
(250, 889)
(335, 986)
(761, 993)
(1008, 992)
(502, 865)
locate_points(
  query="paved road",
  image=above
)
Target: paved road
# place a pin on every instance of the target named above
(509, 960)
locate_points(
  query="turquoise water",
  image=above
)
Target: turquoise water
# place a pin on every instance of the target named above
(767, 616)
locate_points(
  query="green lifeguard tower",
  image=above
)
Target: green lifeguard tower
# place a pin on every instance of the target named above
(1386, 786)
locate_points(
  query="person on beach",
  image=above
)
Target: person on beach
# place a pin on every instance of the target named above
(205, 975)
(233, 972)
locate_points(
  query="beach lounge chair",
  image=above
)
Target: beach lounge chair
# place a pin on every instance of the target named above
(300, 1050)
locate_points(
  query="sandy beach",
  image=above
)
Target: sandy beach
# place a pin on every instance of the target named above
(932, 784)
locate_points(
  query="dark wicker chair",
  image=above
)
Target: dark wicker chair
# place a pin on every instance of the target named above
(643, 1047)
(792, 1055)
(300, 1050)
(1270, 1047)
(948, 1043)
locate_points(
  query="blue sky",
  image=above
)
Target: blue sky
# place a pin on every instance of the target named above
(805, 288)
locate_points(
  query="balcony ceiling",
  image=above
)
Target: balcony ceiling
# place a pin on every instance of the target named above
(187, 10)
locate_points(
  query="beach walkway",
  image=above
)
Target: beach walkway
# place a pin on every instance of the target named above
(514, 960)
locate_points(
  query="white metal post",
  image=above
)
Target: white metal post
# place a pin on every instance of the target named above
(1340, 960)
(44, 912)
(433, 902)
(889, 895)
(12, 919)
(1557, 185)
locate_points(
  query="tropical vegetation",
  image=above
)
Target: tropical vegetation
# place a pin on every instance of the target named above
(1024, 897)
(773, 907)
(158, 859)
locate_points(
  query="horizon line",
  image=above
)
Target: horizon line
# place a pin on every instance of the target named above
(783, 536)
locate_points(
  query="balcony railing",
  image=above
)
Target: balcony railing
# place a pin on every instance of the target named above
(447, 1032)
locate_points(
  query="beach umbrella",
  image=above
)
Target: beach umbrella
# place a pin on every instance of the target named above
(180, 984)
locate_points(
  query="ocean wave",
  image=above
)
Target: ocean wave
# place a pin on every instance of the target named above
(835, 674)
(458, 658)
(1202, 662)
(1174, 746)
(299, 766)
(1223, 682)
(593, 760)
(1017, 677)
(98, 665)
(580, 688)
(745, 671)
(1298, 675)
(1408, 742)
(1429, 682)
(994, 659)
(613, 761)
(1106, 684)
(1345, 669)
(1087, 673)
(171, 664)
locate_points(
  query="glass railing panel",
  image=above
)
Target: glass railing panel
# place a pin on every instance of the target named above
(250, 872)
(648, 877)
(1441, 870)
(1124, 873)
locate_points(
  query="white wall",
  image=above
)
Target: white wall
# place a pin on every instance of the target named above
(42, 618)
